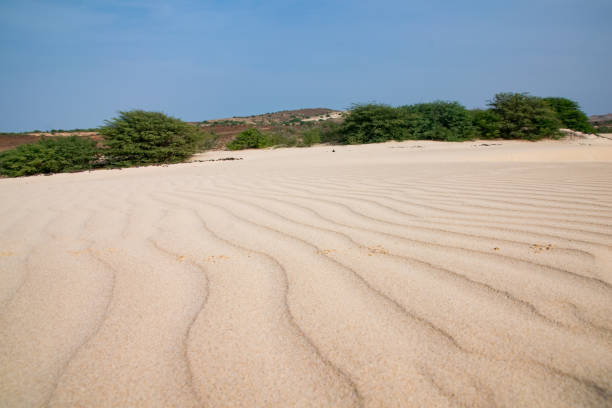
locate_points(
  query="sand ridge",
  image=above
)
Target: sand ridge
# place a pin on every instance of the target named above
(398, 274)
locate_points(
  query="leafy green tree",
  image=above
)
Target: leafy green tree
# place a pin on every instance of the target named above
(524, 117)
(486, 123)
(52, 155)
(570, 114)
(138, 137)
(372, 123)
(250, 139)
(439, 120)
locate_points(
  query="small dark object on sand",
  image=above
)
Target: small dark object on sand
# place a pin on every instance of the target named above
(221, 159)
(333, 150)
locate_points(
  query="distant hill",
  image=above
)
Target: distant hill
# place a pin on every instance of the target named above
(601, 119)
(287, 121)
(11, 140)
(602, 123)
(225, 128)
(285, 117)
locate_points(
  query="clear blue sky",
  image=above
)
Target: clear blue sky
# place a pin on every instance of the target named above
(67, 64)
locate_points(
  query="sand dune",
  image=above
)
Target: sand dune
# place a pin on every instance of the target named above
(394, 275)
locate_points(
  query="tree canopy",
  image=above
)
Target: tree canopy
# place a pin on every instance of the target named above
(522, 116)
(570, 114)
(139, 137)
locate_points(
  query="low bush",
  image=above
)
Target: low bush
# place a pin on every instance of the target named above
(523, 116)
(486, 123)
(250, 139)
(330, 132)
(50, 155)
(603, 129)
(570, 115)
(137, 137)
(310, 137)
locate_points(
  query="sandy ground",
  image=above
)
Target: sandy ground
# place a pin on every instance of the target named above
(391, 275)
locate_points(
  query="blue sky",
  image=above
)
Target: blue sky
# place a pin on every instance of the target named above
(68, 64)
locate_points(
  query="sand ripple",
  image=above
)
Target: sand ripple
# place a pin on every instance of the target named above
(291, 279)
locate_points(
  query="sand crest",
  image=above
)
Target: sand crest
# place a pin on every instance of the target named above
(392, 275)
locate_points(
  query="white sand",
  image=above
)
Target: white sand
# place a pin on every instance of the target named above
(383, 275)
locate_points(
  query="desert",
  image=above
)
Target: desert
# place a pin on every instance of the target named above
(403, 274)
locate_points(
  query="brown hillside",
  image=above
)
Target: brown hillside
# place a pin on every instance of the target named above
(601, 119)
(11, 140)
(282, 117)
(226, 129)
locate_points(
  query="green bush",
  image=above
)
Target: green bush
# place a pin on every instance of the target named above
(486, 123)
(525, 117)
(310, 137)
(439, 120)
(330, 132)
(52, 155)
(570, 115)
(372, 123)
(250, 139)
(284, 137)
(137, 137)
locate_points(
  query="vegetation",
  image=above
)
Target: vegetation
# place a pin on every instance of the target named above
(288, 137)
(486, 123)
(510, 116)
(310, 137)
(438, 120)
(523, 116)
(50, 155)
(372, 123)
(140, 138)
(137, 137)
(570, 115)
(250, 139)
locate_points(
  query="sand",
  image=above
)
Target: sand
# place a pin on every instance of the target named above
(393, 275)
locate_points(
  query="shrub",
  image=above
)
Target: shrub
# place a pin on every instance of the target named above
(310, 137)
(373, 123)
(137, 137)
(53, 155)
(570, 115)
(439, 120)
(436, 121)
(208, 140)
(486, 123)
(603, 129)
(330, 132)
(250, 139)
(283, 138)
(524, 117)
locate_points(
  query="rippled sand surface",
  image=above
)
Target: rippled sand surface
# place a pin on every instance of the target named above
(393, 275)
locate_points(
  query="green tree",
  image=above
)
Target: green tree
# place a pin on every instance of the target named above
(570, 114)
(486, 123)
(524, 117)
(250, 139)
(372, 123)
(439, 120)
(52, 155)
(138, 137)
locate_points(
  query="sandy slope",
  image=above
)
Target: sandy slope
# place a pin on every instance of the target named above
(377, 276)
